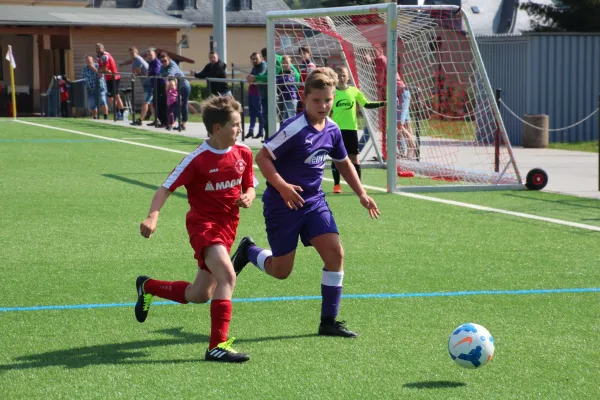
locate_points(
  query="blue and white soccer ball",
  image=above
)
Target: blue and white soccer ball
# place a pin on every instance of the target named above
(471, 346)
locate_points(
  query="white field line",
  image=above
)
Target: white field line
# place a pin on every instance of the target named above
(411, 195)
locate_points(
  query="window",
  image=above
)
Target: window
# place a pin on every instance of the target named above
(239, 5)
(188, 4)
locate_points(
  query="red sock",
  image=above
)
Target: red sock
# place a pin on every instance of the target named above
(220, 315)
(167, 290)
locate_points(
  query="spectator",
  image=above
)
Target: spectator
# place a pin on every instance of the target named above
(172, 96)
(288, 93)
(404, 126)
(259, 66)
(215, 69)
(263, 88)
(169, 68)
(63, 88)
(152, 69)
(96, 88)
(305, 68)
(107, 65)
(139, 66)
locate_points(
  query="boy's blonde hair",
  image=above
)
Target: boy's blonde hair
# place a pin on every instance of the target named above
(320, 78)
(288, 58)
(218, 110)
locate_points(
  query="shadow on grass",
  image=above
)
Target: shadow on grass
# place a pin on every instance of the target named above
(581, 202)
(124, 353)
(434, 385)
(142, 184)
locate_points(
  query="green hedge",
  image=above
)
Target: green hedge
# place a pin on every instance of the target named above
(200, 92)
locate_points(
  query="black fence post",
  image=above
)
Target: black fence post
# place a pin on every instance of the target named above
(243, 114)
(114, 93)
(155, 99)
(179, 103)
(98, 106)
(497, 135)
(132, 104)
(57, 94)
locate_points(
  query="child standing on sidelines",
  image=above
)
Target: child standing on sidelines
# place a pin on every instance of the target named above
(219, 180)
(172, 96)
(293, 161)
(288, 92)
(344, 115)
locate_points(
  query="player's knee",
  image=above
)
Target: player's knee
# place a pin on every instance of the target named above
(281, 271)
(334, 258)
(228, 278)
(198, 297)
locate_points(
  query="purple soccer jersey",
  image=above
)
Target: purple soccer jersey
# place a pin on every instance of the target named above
(299, 153)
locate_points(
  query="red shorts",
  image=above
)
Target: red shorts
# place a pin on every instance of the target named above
(209, 233)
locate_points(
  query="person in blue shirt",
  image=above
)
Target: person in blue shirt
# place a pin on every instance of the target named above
(169, 68)
(293, 162)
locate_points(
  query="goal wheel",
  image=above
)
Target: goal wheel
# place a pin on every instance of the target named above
(537, 179)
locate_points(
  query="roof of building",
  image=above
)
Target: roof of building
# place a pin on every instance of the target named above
(202, 14)
(77, 16)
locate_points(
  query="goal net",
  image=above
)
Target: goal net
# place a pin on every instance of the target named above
(441, 114)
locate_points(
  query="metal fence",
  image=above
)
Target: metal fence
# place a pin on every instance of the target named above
(542, 73)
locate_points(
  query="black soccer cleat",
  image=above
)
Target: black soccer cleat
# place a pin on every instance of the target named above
(240, 257)
(225, 353)
(336, 328)
(144, 299)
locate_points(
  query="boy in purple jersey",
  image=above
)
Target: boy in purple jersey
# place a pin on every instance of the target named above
(293, 162)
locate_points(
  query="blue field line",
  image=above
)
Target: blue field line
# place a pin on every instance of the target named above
(305, 298)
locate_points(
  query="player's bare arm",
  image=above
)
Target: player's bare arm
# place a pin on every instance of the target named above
(289, 193)
(246, 199)
(349, 174)
(148, 226)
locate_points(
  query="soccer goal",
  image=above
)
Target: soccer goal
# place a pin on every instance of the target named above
(455, 138)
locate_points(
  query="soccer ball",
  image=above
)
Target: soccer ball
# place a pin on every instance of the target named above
(471, 346)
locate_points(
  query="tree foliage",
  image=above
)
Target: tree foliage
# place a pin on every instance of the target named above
(565, 16)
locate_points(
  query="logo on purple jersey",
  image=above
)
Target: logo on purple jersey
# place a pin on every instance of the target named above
(316, 157)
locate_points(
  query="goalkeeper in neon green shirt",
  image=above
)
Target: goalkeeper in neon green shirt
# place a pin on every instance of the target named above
(343, 114)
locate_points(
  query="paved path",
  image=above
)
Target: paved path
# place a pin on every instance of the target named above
(569, 172)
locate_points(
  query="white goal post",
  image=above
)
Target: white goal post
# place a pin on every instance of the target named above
(425, 56)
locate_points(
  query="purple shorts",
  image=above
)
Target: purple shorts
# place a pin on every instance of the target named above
(283, 228)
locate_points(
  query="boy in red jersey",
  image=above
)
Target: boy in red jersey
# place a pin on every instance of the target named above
(219, 180)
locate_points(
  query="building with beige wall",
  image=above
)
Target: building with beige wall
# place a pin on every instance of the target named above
(49, 41)
(246, 27)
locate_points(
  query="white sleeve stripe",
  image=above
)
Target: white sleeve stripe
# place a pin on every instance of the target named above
(181, 167)
(266, 146)
(286, 134)
(343, 159)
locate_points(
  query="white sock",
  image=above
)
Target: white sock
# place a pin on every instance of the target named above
(332, 278)
(262, 257)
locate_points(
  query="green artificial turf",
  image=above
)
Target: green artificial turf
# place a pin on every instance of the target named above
(69, 232)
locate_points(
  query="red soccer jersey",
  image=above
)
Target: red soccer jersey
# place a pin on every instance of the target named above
(106, 60)
(214, 180)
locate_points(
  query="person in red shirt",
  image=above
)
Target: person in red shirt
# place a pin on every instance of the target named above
(305, 68)
(219, 179)
(106, 64)
(64, 96)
